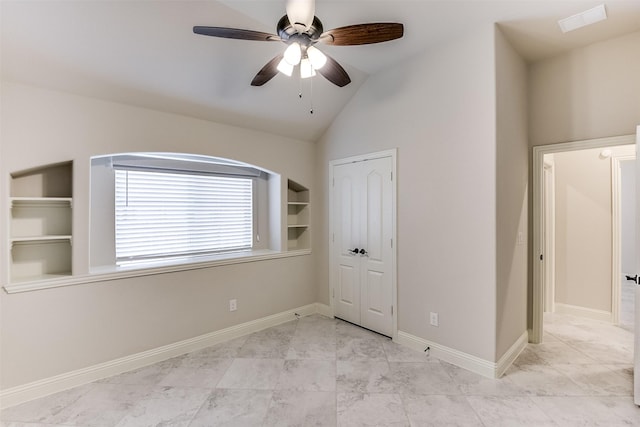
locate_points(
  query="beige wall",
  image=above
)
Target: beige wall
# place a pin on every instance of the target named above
(49, 332)
(587, 93)
(511, 195)
(439, 111)
(583, 229)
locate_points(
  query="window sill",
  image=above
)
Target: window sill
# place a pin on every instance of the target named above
(105, 274)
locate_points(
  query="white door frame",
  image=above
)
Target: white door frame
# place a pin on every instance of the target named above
(636, 320)
(616, 221)
(535, 334)
(549, 233)
(394, 191)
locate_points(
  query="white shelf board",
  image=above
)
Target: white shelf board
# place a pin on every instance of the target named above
(39, 239)
(41, 201)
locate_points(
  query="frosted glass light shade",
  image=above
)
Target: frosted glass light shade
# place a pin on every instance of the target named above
(293, 54)
(300, 13)
(306, 69)
(317, 58)
(285, 68)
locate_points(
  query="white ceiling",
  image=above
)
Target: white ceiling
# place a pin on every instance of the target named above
(144, 52)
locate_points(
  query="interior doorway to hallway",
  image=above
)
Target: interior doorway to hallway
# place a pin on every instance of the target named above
(573, 274)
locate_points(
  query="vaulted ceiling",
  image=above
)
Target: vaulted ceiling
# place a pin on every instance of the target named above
(144, 53)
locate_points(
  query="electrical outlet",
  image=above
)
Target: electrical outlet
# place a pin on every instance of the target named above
(233, 305)
(433, 318)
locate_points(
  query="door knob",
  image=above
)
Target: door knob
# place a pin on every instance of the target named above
(634, 279)
(354, 251)
(363, 252)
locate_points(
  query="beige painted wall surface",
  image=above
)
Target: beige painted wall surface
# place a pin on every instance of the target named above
(45, 333)
(439, 111)
(587, 93)
(583, 229)
(511, 195)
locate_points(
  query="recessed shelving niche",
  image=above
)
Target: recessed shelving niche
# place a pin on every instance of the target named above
(298, 234)
(41, 223)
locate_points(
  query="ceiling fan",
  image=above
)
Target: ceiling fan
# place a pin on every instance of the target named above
(300, 29)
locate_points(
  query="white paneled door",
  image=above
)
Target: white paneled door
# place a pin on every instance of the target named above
(636, 368)
(362, 243)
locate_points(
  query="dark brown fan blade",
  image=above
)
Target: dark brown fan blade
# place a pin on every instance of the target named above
(235, 33)
(268, 71)
(363, 34)
(334, 72)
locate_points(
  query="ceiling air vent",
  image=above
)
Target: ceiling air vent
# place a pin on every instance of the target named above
(583, 19)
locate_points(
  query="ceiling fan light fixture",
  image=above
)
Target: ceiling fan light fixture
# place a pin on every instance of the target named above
(306, 69)
(317, 58)
(293, 54)
(299, 30)
(285, 68)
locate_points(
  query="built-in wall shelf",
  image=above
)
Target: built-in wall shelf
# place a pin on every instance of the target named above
(41, 223)
(298, 234)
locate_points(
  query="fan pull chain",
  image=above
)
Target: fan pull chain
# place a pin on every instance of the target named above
(311, 95)
(310, 92)
(300, 88)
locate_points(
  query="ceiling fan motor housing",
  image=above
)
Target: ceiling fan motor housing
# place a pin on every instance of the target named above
(288, 33)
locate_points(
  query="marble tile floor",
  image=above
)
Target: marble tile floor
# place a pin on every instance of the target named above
(317, 371)
(627, 303)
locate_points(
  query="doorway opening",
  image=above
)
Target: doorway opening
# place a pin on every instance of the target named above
(563, 215)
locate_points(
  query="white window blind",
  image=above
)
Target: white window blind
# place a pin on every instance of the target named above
(161, 215)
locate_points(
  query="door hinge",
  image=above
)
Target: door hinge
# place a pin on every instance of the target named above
(391, 176)
(333, 182)
(541, 257)
(392, 310)
(392, 243)
(333, 293)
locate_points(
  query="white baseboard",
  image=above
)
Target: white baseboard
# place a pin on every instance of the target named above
(463, 360)
(324, 310)
(24, 393)
(512, 354)
(589, 313)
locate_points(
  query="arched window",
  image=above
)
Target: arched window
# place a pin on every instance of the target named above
(173, 206)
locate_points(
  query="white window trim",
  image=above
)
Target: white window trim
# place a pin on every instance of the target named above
(103, 255)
